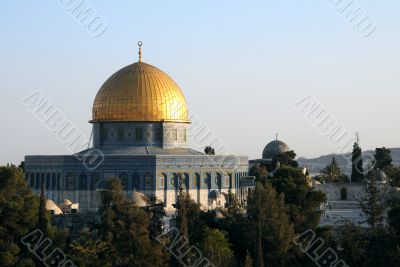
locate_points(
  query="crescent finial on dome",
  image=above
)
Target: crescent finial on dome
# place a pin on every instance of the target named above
(140, 43)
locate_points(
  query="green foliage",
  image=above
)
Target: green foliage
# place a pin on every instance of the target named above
(125, 229)
(383, 158)
(267, 215)
(156, 211)
(259, 171)
(248, 261)
(333, 173)
(87, 250)
(374, 207)
(394, 216)
(43, 220)
(216, 248)
(357, 172)
(286, 159)
(18, 216)
(301, 199)
(354, 245)
(394, 175)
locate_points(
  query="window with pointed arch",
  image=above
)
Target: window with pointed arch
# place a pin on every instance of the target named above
(218, 179)
(207, 181)
(53, 182)
(47, 181)
(71, 183)
(94, 180)
(148, 181)
(186, 181)
(136, 181)
(175, 180)
(124, 180)
(162, 181)
(32, 180)
(37, 184)
(227, 179)
(196, 181)
(82, 181)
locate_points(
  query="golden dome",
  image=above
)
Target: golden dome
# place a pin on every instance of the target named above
(140, 92)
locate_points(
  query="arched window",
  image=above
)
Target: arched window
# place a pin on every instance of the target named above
(32, 180)
(218, 179)
(59, 182)
(42, 181)
(196, 181)
(139, 134)
(121, 134)
(163, 181)
(104, 133)
(82, 181)
(175, 180)
(48, 181)
(124, 180)
(37, 184)
(94, 180)
(148, 181)
(207, 181)
(53, 182)
(71, 183)
(135, 181)
(186, 181)
(228, 180)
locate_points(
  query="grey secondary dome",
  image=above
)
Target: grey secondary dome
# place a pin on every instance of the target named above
(274, 149)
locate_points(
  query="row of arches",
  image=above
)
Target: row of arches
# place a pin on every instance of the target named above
(133, 181)
(196, 181)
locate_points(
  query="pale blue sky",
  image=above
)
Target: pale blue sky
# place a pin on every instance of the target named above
(241, 65)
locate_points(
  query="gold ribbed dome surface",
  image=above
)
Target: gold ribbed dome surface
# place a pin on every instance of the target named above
(140, 92)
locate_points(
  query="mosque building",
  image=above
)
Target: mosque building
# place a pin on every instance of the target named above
(140, 135)
(272, 150)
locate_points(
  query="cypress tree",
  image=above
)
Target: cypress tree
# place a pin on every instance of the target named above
(182, 221)
(43, 221)
(248, 261)
(357, 172)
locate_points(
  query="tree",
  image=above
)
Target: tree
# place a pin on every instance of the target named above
(87, 250)
(333, 173)
(259, 171)
(209, 150)
(354, 245)
(302, 200)
(125, 228)
(394, 216)
(286, 159)
(357, 171)
(43, 216)
(248, 262)
(373, 206)
(383, 158)
(267, 215)
(18, 216)
(216, 248)
(181, 212)
(156, 211)
(394, 174)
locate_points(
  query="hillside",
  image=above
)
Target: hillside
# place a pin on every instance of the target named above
(315, 165)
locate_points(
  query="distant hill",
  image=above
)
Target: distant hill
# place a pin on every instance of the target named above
(315, 165)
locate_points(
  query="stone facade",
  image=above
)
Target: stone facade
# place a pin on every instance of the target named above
(159, 134)
(68, 177)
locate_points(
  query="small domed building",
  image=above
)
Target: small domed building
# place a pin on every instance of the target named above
(141, 125)
(272, 150)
